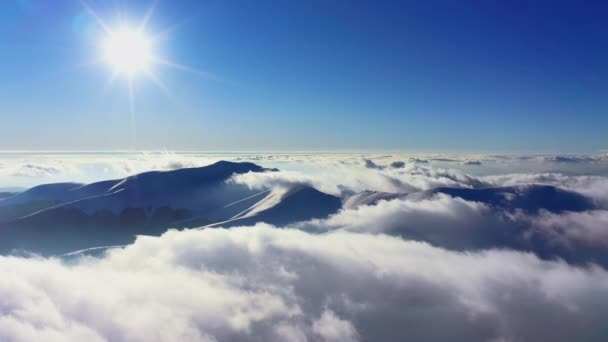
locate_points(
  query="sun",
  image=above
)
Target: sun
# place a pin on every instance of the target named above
(128, 51)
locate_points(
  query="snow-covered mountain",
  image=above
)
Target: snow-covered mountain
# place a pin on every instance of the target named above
(63, 217)
(284, 206)
(6, 194)
(68, 216)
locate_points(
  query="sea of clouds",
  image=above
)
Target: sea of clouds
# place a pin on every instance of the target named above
(270, 284)
(432, 267)
(30, 169)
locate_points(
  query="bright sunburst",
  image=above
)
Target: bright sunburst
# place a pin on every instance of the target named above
(128, 51)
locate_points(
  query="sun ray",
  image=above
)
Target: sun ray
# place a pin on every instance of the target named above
(185, 68)
(132, 114)
(159, 83)
(109, 81)
(129, 50)
(204, 74)
(149, 13)
(100, 21)
(176, 26)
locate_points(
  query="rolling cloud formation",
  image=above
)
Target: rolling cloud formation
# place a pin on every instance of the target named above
(426, 253)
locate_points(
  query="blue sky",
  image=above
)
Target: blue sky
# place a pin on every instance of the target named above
(447, 76)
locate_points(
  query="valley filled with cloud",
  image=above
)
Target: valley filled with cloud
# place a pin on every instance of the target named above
(341, 247)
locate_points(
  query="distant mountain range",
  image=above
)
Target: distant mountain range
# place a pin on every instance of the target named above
(63, 217)
(526, 197)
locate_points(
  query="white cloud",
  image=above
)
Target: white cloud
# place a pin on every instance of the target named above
(589, 227)
(35, 170)
(420, 171)
(458, 224)
(331, 328)
(264, 180)
(427, 215)
(346, 178)
(29, 170)
(595, 187)
(454, 279)
(264, 283)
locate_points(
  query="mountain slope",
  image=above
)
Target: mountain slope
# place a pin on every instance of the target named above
(64, 217)
(49, 217)
(285, 206)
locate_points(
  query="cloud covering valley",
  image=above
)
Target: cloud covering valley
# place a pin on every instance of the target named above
(418, 251)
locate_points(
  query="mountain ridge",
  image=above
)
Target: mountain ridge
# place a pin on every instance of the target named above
(114, 211)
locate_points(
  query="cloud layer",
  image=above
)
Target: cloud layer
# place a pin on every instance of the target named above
(29, 169)
(402, 261)
(268, 284)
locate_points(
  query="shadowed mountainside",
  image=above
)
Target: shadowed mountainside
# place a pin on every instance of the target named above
(62, 217)
(527, 197)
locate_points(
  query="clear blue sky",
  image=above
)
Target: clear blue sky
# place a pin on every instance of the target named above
(467, 76)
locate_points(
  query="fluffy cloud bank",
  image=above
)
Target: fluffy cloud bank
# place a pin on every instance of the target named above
(426, 266)
(579, 237)
(31, 169)
(595, 187)
(513, 218)
(267, 284)
(343, 179)
(589, 228)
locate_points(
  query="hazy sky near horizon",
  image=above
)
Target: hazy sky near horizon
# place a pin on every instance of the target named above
(467, 76)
